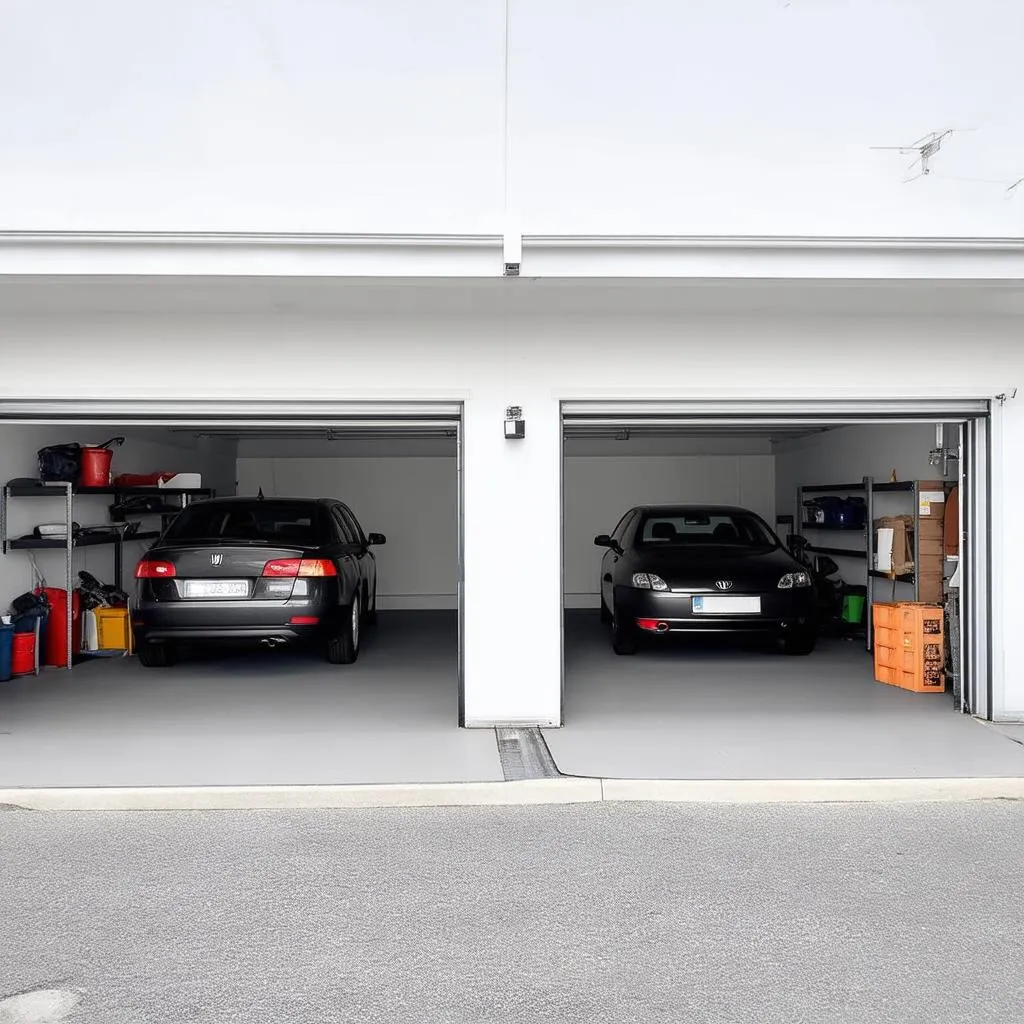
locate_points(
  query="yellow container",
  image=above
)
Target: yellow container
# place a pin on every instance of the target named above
(113, 629)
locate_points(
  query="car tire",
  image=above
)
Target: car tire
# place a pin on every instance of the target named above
(800, 643)
(623, 636)
(343, 647)
(155, 655)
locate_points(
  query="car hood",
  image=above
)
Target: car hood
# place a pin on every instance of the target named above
(700, 568)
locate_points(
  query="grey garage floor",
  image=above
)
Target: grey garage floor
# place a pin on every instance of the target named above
(252, 719)
(719, 710)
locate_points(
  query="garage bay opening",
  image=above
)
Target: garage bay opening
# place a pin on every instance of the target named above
(768, 592)
(252, 598)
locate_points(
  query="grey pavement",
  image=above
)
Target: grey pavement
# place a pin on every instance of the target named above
(586, 913)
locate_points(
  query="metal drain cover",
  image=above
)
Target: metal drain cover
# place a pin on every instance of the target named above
(525, 755)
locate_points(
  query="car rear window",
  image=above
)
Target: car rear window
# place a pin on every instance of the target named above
(731, 529)
(279, 522)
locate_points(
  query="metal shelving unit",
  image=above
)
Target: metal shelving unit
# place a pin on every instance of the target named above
(866, 550)
(69, 543)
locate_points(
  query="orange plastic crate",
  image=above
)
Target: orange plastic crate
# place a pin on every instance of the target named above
(909, 647)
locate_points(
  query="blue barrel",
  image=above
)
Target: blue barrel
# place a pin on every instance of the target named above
(6, 646)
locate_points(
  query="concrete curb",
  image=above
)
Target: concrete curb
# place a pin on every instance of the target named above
(562, 790)
(206, 798)
(761, 791)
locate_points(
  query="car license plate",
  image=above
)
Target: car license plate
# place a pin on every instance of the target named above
(730, 605)
(216, 588)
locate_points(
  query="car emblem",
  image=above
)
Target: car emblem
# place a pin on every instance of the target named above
(723, 584)
(216, 559)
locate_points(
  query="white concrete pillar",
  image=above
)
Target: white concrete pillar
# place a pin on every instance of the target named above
(512, 560)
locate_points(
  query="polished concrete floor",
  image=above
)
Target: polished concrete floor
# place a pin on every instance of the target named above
(719, 710)
(252, 719)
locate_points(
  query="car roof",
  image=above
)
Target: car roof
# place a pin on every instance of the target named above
(677, 510)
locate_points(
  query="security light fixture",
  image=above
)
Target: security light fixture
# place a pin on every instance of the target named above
(515, 425)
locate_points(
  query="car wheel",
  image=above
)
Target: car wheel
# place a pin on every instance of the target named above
(800, 642)
(623, 635)
(155, 655)
(343, 647)
(606, 616)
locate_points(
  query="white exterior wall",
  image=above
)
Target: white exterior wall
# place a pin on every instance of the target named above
(751, 117)
(492, 358)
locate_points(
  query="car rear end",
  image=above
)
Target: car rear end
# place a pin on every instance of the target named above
(226, 588)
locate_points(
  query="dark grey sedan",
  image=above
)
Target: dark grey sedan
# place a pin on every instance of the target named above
(266, 571)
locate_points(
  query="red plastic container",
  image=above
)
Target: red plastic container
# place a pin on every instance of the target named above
(55, 648)
(23, 654)
(96, 467)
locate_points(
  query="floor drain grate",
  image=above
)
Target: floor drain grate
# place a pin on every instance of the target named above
(525, 755)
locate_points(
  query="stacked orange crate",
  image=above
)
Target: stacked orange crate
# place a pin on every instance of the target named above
(909, 646)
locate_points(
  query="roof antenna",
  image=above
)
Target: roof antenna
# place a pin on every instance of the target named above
(260, 495)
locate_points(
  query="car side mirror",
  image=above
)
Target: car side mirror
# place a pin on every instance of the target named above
(376, 539)
(826, 566)
(602, 540)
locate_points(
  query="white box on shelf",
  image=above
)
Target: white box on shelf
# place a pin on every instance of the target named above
(883, 550)
(183, 480)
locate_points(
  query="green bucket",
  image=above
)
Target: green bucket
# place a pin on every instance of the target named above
(853, 609)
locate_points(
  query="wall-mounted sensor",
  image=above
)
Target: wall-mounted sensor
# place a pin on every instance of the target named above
(515, 425)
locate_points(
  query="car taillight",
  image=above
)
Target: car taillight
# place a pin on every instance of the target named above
(153, 570)
(300, 567)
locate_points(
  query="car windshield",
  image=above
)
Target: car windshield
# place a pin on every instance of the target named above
(277, 522)
(711, 528)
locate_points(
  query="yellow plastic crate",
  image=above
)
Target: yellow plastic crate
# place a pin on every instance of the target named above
(113, 629)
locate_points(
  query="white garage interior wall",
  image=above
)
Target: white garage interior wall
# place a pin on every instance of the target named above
(758, 473)
(599, 489)
(411, 499)
(146, 450)
(846, 455)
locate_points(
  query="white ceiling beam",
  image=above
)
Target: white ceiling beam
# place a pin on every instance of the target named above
(484, 256)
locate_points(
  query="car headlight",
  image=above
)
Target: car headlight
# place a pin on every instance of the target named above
(794, 579)
(648, 581)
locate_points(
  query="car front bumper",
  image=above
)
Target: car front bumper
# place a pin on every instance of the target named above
(782, 611)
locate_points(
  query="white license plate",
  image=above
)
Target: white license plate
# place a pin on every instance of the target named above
(216, 588)
(731, 605)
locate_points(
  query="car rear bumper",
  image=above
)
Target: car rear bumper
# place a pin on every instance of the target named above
(231, 621)
(781, 612)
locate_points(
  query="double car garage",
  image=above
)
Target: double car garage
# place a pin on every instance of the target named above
(695, 709)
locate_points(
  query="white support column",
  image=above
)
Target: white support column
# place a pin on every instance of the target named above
(512, 536)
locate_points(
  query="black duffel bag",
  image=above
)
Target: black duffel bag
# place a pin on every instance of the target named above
(60, 463)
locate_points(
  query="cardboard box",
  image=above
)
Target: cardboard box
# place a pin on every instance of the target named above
(931, 499)
(929, 588)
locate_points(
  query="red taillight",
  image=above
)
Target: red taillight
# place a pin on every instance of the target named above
(300, 567)
(652, 625)
(303, 620)
(150, 570)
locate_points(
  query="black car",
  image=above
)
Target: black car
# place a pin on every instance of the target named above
(270, 571)
(703, 569)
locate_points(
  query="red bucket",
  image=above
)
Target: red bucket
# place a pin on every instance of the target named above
(96, 461)
(23, 654)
